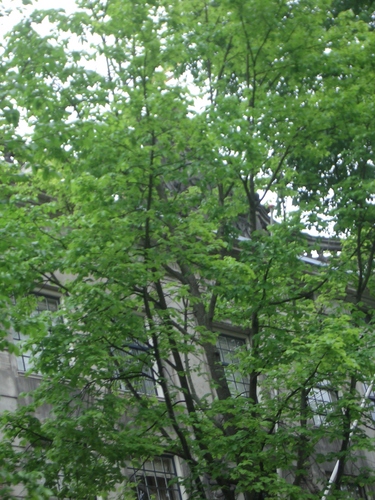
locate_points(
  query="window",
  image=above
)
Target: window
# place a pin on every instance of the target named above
(354, 491)
(135, 368)
(228, 347)
(154, 480)
(320, 399)
(45, 303)
(371, 398)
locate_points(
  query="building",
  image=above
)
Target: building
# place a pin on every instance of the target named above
(168, 373)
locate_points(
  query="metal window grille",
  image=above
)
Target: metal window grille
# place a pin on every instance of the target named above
(45, 303)
(154, 480)
(228, 348)
(320, 399)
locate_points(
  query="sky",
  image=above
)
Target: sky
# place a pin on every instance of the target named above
(10, 9)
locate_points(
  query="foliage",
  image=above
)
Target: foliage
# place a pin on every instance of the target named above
(133, 203)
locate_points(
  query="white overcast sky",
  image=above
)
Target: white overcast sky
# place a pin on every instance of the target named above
(13, 6)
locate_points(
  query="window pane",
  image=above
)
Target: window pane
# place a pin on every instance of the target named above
(45, 303)
(228, 347)
(135, 369)
(319, 400)
(153, 480)
(371, 400)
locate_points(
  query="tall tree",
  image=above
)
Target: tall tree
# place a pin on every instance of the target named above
(145, 211)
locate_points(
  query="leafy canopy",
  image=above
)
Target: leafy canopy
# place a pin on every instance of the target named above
(156, 132)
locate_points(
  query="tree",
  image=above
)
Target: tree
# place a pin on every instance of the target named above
(134, 205)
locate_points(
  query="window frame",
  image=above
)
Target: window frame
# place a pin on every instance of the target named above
(147, 376)
(370, 400)
(321, 406)
(237, 383)
(351, 487)
(149, 478)
(23, 359)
